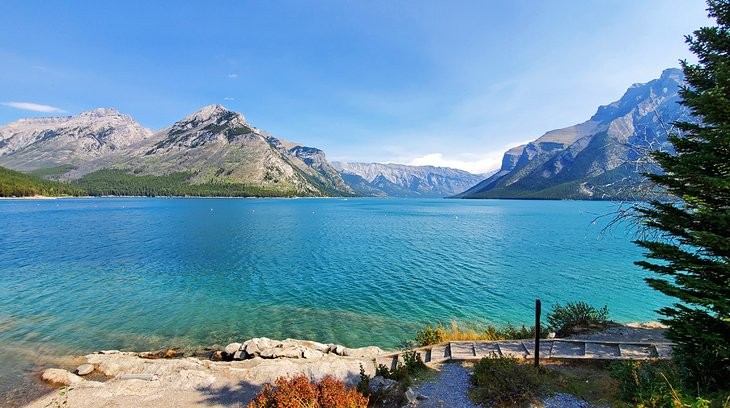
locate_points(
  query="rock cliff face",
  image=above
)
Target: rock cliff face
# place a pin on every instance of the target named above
(591, 160)
(29, 144)
(399, 180)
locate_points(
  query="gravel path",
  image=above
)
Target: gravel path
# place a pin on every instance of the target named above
(448, 390)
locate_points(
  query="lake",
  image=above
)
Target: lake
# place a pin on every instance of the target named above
(80, 275)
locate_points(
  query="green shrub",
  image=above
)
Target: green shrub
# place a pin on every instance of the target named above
(504, 382)
(652, 385)
(429, 336)
(579, 315)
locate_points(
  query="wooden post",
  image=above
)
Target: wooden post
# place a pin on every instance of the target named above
(537, 332)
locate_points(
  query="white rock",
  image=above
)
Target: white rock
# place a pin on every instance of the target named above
(287, 352)
(312, 354)
(60, 377)
(380, 383)
(411, 395)
(370, 351)
(85, 369)
(253, 347)
(232, 348)
(324, 348)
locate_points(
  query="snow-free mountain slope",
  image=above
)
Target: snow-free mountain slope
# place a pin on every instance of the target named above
(36, 143)
(591, 160)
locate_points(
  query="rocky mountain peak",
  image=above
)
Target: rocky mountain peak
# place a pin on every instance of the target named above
(212, 112)
(655, 92)
(100, 112)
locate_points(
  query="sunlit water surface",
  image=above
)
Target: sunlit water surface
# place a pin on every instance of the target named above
(79, 275)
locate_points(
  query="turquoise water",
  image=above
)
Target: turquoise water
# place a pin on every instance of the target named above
(78, 275)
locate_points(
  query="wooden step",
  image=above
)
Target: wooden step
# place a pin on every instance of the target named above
(512, 349)
(546, 347)
(565, 349)
(462, 350)
(440, 352)
(602, 351)
(637, 351)
(486, 349)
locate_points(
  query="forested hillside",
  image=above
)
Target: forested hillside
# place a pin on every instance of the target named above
(17, 184)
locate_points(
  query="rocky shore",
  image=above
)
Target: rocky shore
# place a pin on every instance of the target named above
(229, 377)
(232, 376)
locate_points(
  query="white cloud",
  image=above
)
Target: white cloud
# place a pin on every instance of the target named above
(233, 76)
(35, 107)
(473, 163)
(228, 98)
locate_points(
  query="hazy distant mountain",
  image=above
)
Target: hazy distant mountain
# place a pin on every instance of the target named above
(214, 150)
(35, 143)
(399, 180)
(591, 160)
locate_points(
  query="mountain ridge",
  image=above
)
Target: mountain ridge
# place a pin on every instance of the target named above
(401, 180)
(212, 146)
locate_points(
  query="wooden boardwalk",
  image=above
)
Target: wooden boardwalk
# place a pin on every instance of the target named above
(564, 349)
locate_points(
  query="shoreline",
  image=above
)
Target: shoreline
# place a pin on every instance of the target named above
(169, 377)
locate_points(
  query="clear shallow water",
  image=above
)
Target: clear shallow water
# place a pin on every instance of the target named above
(78, 275)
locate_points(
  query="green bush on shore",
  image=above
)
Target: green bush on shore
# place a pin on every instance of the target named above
(505, 382)
(564, 320)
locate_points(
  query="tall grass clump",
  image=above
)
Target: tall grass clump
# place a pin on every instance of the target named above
(648, 384)
(439, 333)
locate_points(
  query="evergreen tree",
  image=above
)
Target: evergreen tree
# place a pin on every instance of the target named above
(693, 254)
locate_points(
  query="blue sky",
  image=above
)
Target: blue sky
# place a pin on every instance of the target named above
(414, 81)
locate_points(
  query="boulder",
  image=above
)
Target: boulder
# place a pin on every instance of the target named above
(380, 384)
(217, 356)
(232, 348)
(85, 369)
(366, 352)
(287, 352)
(253, 347)
(322, 348)
(312, 354)
(58, 376)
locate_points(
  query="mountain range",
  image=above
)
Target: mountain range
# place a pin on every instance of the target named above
(213, 151)
(400, 180)
(597, 159)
